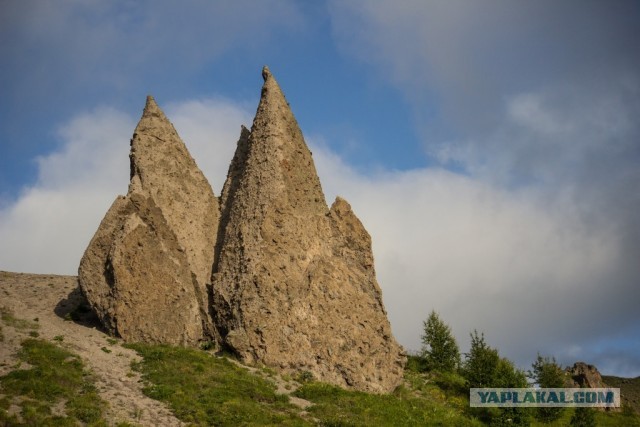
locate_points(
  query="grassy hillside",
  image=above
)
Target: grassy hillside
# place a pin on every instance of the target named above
(629, 389)
(56, 372)
(203, 389)
(51, 388)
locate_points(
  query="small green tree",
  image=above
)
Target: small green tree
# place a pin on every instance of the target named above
(483, 367)
(547, 373)
(439, 348)
(480, 363)
(508, 376)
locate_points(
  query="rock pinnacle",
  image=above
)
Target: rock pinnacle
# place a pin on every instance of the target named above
(266, 73)
(146, 268)
(151, 108)
(294, 286)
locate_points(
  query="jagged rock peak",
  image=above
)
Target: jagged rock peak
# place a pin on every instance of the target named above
(152, 254)
(151, 108)
(266, 73)
(277, 144)
(294, 285)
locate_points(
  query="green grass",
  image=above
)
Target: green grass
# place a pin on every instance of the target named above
(629, 391)
(206, 390)
(408, 407)
(602, 418)
(203, 389)
(55, 375)
(9, 319)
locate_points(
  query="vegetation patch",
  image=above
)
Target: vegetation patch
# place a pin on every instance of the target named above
(55, 375)
(629, 390)
(419, 405)
(9, 319)
(206, 390)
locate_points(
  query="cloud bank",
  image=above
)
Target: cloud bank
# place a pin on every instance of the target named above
(532, 108)
(48, 228)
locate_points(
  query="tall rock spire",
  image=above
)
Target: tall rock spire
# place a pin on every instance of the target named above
(293, 283)
(165, 171)
(146, 269)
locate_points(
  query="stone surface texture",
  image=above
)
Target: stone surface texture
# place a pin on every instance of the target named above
(294, 284)
(585, 375)
(146, 270)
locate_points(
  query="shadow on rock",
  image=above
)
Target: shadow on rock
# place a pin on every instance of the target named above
(75, 308)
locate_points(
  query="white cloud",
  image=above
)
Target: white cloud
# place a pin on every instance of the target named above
(527, 110)
(48, 228)
(536, 104)
(483, 257)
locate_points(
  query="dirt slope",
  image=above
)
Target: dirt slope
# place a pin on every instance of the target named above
(52, 299)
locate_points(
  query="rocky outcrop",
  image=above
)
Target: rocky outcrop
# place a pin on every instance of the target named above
(271, 272)
(294, 284)
(584, 375)
(146, 270)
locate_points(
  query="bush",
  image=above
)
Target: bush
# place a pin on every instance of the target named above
(583, 417)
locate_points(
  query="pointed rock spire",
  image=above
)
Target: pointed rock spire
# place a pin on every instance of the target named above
(294, 285)
(170, 176)
(265, 73)
(151, 108)
(155, 245)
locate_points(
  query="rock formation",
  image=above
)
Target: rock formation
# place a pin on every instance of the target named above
(146, 268)
(584, 375)
(294, 284)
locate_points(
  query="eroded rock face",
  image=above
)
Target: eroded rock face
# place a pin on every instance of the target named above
(146, 269)
(584, 375)
(293, 282)
(294, 285)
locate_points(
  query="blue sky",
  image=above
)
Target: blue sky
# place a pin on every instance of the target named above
(492, 149)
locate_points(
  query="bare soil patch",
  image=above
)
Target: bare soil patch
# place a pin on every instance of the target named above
(57, 306)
